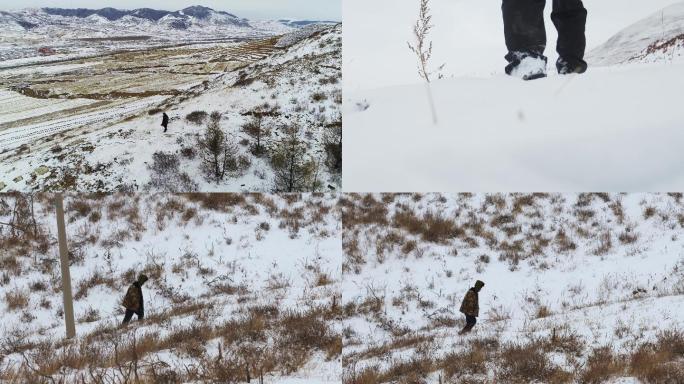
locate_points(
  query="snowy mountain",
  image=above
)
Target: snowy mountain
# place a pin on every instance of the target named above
(579, 288)
(303, 23)
(658, 37)
(196, 21)
(239, 286)
(195, 15)
(190, 18)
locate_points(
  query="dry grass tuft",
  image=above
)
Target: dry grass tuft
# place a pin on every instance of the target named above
(16, 299)
(432, 227)
(601, 365)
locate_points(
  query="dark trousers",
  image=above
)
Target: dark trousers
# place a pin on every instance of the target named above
(129, 315)
(165, 127)
(525, 31)
(470, 323)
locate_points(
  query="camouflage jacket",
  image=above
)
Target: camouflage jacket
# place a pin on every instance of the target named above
(470, 305)
(134, 298)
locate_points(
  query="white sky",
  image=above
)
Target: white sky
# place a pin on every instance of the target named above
(251, 9)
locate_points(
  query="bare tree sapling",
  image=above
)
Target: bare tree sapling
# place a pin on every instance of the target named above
(422, 48)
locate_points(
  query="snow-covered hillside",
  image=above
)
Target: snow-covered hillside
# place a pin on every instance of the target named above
(615, 128)
(195, 21)
(657, 38)
(240, 286)
(579, 287)
(295, 85)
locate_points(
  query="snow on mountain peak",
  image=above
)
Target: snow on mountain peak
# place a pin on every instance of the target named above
(76, 22)
(657, 37)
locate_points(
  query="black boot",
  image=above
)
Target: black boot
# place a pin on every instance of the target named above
(566, 67)
(466, 329)
(570, 19)
(526, 65)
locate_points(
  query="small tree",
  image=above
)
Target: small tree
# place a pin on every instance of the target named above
(166, 175)
(293, 171)
(333, 145)
(422, 48)
(255, 129)
(218, 151)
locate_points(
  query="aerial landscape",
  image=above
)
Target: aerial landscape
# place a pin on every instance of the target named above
(248, 105)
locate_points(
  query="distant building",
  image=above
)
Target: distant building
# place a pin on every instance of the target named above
(46, 51)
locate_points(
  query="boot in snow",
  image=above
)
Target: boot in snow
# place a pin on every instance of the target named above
(527, 66)
(566, 67)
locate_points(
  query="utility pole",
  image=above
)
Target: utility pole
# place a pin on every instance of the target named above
(66, 276)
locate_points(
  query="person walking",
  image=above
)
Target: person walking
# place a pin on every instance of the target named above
(470, 307)
(525, 35)
(165, 122)
(133, 301)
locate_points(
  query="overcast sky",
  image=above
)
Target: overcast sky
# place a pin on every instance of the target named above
(251, 9)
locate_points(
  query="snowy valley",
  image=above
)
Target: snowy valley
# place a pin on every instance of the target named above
(88, 118)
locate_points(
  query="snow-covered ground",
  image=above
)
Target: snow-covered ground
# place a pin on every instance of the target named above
(109, 145)
(615, 128)
(214, 262)
(599, 269)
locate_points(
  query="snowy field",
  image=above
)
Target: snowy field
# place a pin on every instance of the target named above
(94, 125)
(615, 128)
(238, 283)
(566, 275)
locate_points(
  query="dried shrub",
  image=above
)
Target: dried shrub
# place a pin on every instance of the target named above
(16, 299)
(95, 279)
(165, 174)
(661, 361)
(431, 227)
(601, 365)
(524, 363)
(89, 316)
(197, 117)
(471, 362)
(649, 212)
(222, 202)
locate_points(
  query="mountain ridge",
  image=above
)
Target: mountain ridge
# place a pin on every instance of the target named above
(30, 18)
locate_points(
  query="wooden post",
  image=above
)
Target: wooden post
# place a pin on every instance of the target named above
(66, 276)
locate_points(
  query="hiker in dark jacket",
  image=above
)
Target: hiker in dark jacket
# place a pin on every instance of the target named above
(470, 307)
(526, 37)
(165, 121)
(133, 301)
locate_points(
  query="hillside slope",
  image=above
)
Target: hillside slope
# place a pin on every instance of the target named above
(569, 279)
(657, 38)
(190, 22)
(239, 285)
(297, 85)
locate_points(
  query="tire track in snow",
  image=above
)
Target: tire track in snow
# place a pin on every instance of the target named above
(15, 137)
